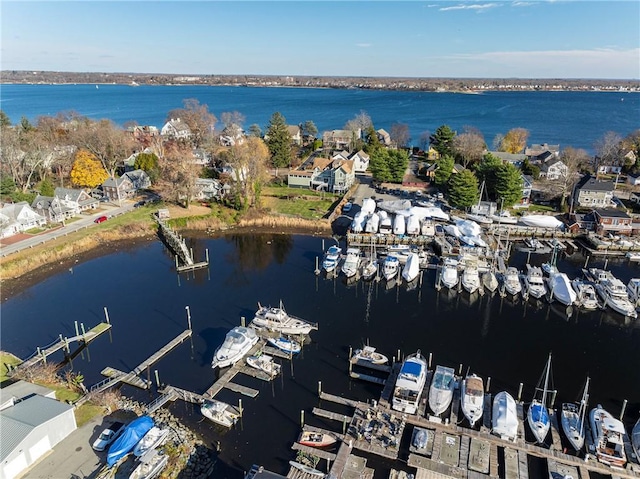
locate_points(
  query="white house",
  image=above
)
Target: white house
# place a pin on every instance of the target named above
(360, 161)
(609, 169)
(295, 132)
(554, 169)
(176, 128)
(339, 139)
(18, 217)
(384, 137)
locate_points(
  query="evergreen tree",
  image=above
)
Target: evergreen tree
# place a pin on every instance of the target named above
(46, 187)
(529, 168)
(463, 189)
(508, 184)
(442, 140)
(146, 161)
(7, 185)
(388, 165)
(255, 130)
(4, 119)
(486, 171)
(443, 173)
(278, 141)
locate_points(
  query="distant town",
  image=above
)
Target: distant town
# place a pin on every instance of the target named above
(460, 85)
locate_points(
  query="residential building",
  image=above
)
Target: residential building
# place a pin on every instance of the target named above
(431, 170)
(554, 169)
(515, 159)
(340, 155)
(384, 137)
(590, 192)
(118, 189)
(611, 220)
(139, 179)
(633, 180)
(360, 161)
(527, 186)
(18, 217)
(609, 169)
(540, 153)
(295, 132)
(176, 129)
(335, 176)
(210, 189)
(339, 139)
(231, 135)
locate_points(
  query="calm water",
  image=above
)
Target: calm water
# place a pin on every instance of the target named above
(506, 340)
(575, 119)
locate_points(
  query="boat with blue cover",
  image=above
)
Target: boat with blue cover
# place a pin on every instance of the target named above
(134, 431)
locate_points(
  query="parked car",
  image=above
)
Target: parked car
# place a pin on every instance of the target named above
(100, 219)
(139, 204)
(108, 435)
(347, 207)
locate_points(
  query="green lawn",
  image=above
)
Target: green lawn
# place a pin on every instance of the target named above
(541, 208)
(304, 203)
(7, 359)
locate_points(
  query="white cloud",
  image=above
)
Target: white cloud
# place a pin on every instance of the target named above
(470, 6)
(523, 4)
(363, 45)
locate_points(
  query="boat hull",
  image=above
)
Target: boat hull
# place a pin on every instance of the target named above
(504, 420)
(316, 439)
(571, 426)
(607, 433)
(441, 390)
(472, 398)
(538, 419)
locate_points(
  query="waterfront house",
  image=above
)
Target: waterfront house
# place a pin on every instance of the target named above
(210, 189)
(360, 161)
(612, 220)
(515, 159)
(383, 137)
(139, 179)
(18, 217)
(590, 192)
(231, 134)
(340, 155)
(295, 132)
(541, 153)
(340, 139)
(431, 170)
(176, 129)
(554, 169)
(53, 209)
(117, 189)
(609, 169)
(527, 186)
(331, 175)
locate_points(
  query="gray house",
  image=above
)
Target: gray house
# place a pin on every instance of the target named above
(594, 193)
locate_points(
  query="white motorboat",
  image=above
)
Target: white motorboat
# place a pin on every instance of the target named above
(236, 344)
(472, 398)
(608, 437)
(287, 345)
(541, 221)
(359, 221)
(449, 273)
(538, 415)
(390, 267)
(220, 412)
(635, 438)
(504, 420)
(351, 262)
(411, 268)
(549, 268)
(511, 280)
(370, 355)
(586, 296)
(372, 223)
(399, 225)
(410, 383)
(413, 225)
(504, 218)
(632, 255)
(331, 258)
(154, 438)
(386, 225)
(277, 319)
(490, 281)
(613, 292)
(151, 467)
(471, 277)
(561, 289)
(441, 389)
(481, 219)
(572, 419)
(265, 363)
(534, 282)
(633, 290)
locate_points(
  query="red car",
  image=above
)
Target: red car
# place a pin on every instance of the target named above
(100, 219)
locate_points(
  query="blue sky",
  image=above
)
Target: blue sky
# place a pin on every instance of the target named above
(496, 39)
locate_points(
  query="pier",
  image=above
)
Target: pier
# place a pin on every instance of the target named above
(179, 246)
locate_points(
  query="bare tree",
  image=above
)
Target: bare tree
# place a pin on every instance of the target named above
(423, 141)
(232, 118)
(178, 173)
(249, 161)
(400, 134)
(24, 155)
(201, 122)
(361, 122)
(608, 150)
(469, 146)
(574, 159)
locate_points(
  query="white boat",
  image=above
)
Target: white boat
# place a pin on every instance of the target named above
(537, 414)
(390, 267)
(561, 289)
(277, 319)
(481, 219)
(613, 292)
(534, 282)
(413, 225)
(409, 384)
(586, 296)
(220, 412)
(316, 439)
(386, 226)
(151, 467)
(265, 363)
(608, 437)
(504, 420)
(549, 268)
(308, 469)
(399, 225)
(534, 245)
(449, 273)
(504, 218)
(331, 258)
(441, 389)
(154, 438)
(411, 268)
(236, 344)
(351, 262)
(372, 223)
(358, 222)
(633, 256)
(511, 280)
(370, 355)
(287, 345)
(370, 268)
(472, 398)
(635, 438)
(633, 290)
(490, 281)
(471, 277)
(572, 419)
(541, 221)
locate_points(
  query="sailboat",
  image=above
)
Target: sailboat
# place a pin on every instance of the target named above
(370, 265)
(572, 419)
(538, 415)
(489, 281)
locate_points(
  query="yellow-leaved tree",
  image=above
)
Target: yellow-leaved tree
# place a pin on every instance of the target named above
(515, 140)
(87, 170)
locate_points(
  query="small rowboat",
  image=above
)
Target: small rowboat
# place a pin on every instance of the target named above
(307, 469)
(370, 355)
(285, 344)
(316, 439)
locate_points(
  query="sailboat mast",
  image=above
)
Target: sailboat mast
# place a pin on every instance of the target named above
(546, 382)
(583, 404)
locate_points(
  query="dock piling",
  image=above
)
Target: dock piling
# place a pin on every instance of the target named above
(430, 358)
(586, 261)
(553, 396)
(624, 407)
(206, 255)
(344, 425)
(188, 316)
(520, 391)
(319, 388)
(83, 331)
(106, 315)
(488, 383)
(460, 370)
(302, 417)
(240, 406)
(77, 330)
(157, 378)
(242, 321)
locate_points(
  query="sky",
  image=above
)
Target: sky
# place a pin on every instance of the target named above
(467, 38)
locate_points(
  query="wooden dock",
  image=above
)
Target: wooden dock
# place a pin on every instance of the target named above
(179, 246)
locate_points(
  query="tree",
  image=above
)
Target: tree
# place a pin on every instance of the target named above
(148, 162)
(442, 140)
(4, 119)
(530, 169)
(46, 187)
(359, 123)
(7, 185)
(469, 146)
(486, 172)
(608, 149)
(255, 130)
(463, 189)
(23, 152)
(444, 171)
(388, 165)
(423, 141)
(631, 143)
(249, 162)
(232, 119)
(278, 141)
(400, 134)
(309, 128)
(178, 174)
(87, 170)
(508, 184)
(574, 159)
(201, 122)
(515, 140)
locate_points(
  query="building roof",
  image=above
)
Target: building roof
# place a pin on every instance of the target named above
(611, 213)
(588, 183)
(361, 154)
(22, 389)
(293, 130)
(510, 157)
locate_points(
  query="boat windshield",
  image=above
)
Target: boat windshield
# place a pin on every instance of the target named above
(442, 380)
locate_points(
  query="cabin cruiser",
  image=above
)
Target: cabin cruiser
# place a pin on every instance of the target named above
(277, 319)
(613, 292)
(504, 420)
(411, 268)
(471, 277)
(413, 225)
(472, 398)
(236, 344)
(586, 294)
(331, 258)
(572, 419)
(489, 281)
(633, 289)
(561, 289)
(549, 268)
(534, 282)
(351, 262)
(449, 273)
(390, 267)
(286, 345)
(410, 383)
(441, 389)
(512, 281)
(608, 437)
(399, 225)
(538, 414)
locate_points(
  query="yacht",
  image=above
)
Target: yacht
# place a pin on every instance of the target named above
(449, 273)
(411, 268)
(538, 415)
(472, 398)
(471, 277)
(331, 258)
(351, 262)
(633, 289)
(441, 389)
(572, 419)
(489, 281)
(277, 319)
(561, 289)
(410, 383)
(613, 292)
(504, 420)
(236, 344)
(534, 282)
(512, 281)
(390, 267)
(608, 437)
(586, 294)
